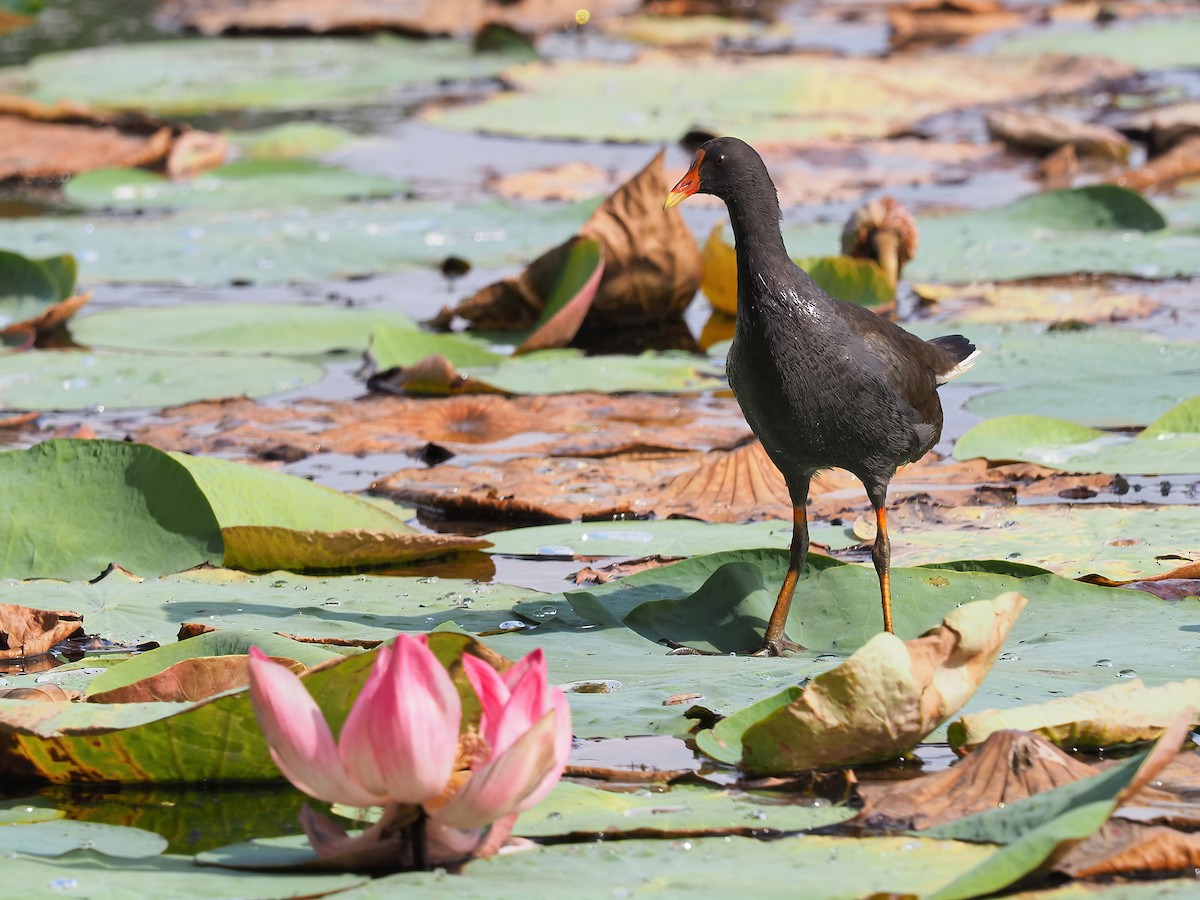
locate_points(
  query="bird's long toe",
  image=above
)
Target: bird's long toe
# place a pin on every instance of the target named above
(783, 644)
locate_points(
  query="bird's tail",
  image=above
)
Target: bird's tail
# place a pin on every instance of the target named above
(963, 352)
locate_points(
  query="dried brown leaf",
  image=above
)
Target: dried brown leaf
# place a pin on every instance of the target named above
(651, 272)
(26, 632)
(1129, 848)
(1180, 162)
(189, 680)
(1043, 133)
(925, 22)
(1008, 766)
(458, 17)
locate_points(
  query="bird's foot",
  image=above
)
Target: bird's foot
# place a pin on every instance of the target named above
(778, 646)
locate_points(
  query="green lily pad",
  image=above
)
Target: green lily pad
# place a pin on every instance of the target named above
(74, 506)
(576, 809)
(661, 537)
(200, 76)
(236, 328)
(403, 346)
(225, 642)
(1169, 446)
(114, 379)
(216, 247)
(242, 494)
(31, 285)
(291, 140)
(831, 868)
(1154, 44)
(1103, 402)
(27, 810)
(213, 740)
(65, 835)
(92, 875)
(1093, 229)
(250, 184)
(654, 99)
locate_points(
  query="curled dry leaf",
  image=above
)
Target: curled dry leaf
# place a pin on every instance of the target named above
(925, 22)
(47, 693)
(651, 265)
(189, 680)
(457, 17)
(989, 302)
(39, 141)
(1008, 766)
(1121, 714)
(196, 151)
(1180, 162)
(26, 632)
(879, 703)
(263, 548)
(1043, 133)
(1130, 848)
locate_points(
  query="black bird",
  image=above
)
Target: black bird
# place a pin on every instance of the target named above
(823, 383)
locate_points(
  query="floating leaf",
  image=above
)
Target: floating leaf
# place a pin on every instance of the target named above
(291, 140)
(1169, 446)
(199, 76)
(1038, 828)
(114, 379)
(236, 328)
(63, 836)
(262, 548)
(37, 293)
(249, 184)
(28, 632)
(877, 705)
(1036, 302)
(569, 301)
(1128, 713)
(75, 506)
(1151, 44)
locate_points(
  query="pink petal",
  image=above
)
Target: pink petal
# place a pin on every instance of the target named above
(489, 687)
(499, 788)
(535, 660)
(356, 742)
(410, 722)
(563, 739)
(299, 737)
(527, 704)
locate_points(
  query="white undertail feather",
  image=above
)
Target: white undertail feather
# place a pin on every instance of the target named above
(963, 366)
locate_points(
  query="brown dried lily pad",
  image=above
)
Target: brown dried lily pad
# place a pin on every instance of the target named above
(939, 22)
(1043, 133)
(651, 273)
(458, 17)
(39, 141)
(1130, 848)
(264, 548)
(1007, 767)
(569, 424)
(26, 632)
(189, 680)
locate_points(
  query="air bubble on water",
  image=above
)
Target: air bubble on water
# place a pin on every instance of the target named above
(826, 657)
(64, 884)
(1103, 664)
(302, 587)
(214, 618)
(432, 579)
(1007, 657)
(71, 384)
(330, 602)
(555, 550)
(512, 625)
(1127, 673)
(682, 845)
(545, 612)
(278, 584)
(93, 409)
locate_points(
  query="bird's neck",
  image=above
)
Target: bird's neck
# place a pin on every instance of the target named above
(762, 258)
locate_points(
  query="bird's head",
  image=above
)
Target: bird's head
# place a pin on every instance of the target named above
(724, 167)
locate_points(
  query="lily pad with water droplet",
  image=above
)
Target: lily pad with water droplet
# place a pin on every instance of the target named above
(115, 379)
(1169, 446)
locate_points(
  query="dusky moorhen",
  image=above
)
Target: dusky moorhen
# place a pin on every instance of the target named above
(823, 383)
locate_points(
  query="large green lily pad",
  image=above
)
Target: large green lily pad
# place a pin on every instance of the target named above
(201, 76)
(250, 184)
(215, 247)
(115, 379)
(30, 286)
(1094, 229)
(1154, 44)
(655, 99)
(1169, 446)
(74, 507)
(236, 328)
(66, 835)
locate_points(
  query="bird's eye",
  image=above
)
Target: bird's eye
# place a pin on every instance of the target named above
(719, 160)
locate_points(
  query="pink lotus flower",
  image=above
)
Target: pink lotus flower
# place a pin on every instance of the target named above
(398, 744)
(398, 749)
(526, 726)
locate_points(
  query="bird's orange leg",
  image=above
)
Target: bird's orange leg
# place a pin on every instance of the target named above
(881, 555)
(775, 642)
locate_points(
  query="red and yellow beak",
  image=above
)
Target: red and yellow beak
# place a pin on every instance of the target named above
(688, 184)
